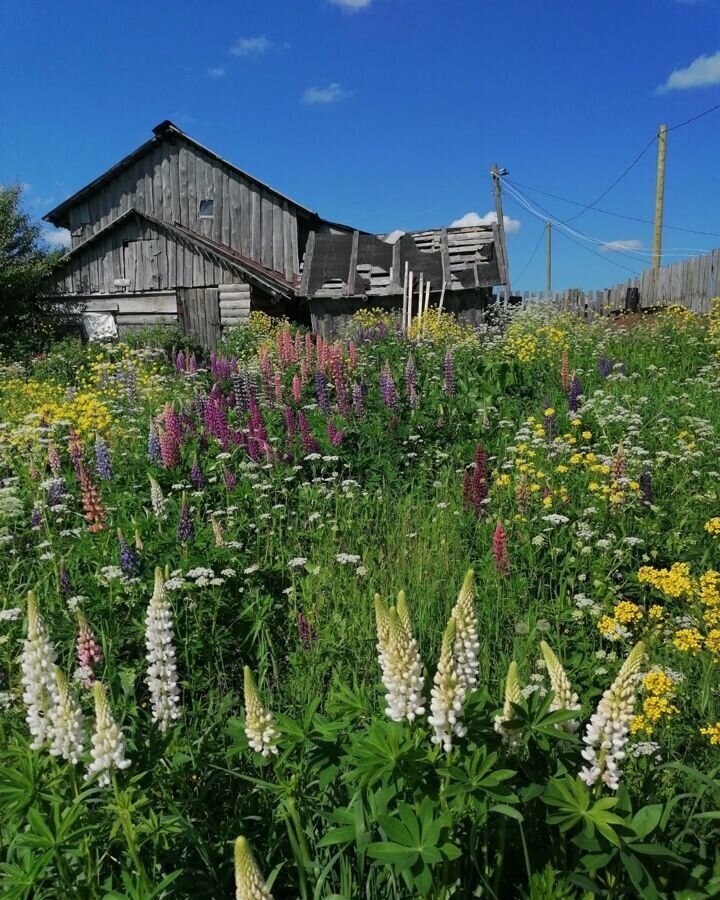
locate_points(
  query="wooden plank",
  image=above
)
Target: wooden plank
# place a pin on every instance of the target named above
(146, 319)
(245, 244)
(266, 254)
(192, 191)
(255, 225)
(148, 303)
(278, 234)
(288, 259)
(307, 265)
(352, 268)
(183, 185)
(235, 205)
(445, 255)
(218, 203)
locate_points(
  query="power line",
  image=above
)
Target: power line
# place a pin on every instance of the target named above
(526, 203)
(694, 118)
(599, 255)
(532, 257)
(617, 180)
(607, 212)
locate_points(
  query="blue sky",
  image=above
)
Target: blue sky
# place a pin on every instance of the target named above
(387, 113)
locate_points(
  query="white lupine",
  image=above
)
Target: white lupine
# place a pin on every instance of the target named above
(68, 732)
(466, 646)
(513, 695)
(400, 663)
(564, 697)
(162, 671)
(38, 666)
(108, 743)
(259, 723)
(157, 498)
(448, 694)
(249, 883)
(607, 732)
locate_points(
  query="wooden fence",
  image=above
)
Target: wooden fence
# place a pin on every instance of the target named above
(692, 283)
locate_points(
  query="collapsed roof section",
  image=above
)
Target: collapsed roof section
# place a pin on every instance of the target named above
(362, 265)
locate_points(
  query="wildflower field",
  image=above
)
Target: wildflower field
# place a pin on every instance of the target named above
(376, 617)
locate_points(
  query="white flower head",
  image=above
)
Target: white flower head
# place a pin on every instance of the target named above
(466, 645)
(40, 685)
(249, 883)
(400, 661)
(157, 499)
(607, 732)
(564, 696)
(68, 732)
(162, 670)
(259, 723)
(448, 694)
(108, 743)
(513, 697)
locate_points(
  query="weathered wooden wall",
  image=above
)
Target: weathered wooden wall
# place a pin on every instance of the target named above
(234, 304)
(135, 311)
(199, 314)
(150, 258)
(169, 181)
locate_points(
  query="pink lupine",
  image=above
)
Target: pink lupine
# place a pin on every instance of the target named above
(54, 460)
(169, 450)
(335, 435)
(353, 354)
(89, 652)
(480, 481)
(309, 444)
(500, 550)
(308, 348)
(290, 424)
(173, 423)
(296, 389)
(278, 388)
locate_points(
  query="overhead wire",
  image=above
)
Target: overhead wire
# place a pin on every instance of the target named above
(517, 278)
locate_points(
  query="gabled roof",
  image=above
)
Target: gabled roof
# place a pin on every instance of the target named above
(253, 271)
(161, 132)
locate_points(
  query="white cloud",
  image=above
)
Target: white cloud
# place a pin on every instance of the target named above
(702, 72)
(217, 72)
(57, 238)
(330, 94)
(512, 226)
(251, 46)
(621, 245)
(351, 5)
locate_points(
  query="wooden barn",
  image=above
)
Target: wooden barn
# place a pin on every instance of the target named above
(175, 233)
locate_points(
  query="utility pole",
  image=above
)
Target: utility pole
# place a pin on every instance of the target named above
(548, 261)
(496, 174)
(659, 196)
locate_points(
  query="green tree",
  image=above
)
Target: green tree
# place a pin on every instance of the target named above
(29, 318)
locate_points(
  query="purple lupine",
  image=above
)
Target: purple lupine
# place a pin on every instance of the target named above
(129, 559)
(410, 381)
(153, 444)
(605, 365)
(196, 475)
(185, 528)
(574, 395)
(64, 578)
(449, 374)
(192, 364)
(230, 479)
(646, 486)
(102, 459)
(76, 451)
(387, 388)
(36, 517)
(321, 391)
(358, 400)
(308, 635)
(338, 374)
(290, 424)
(131, 388)
(309, 444)
(216, 422)
(173, 424)
(180, 362)
(169, 450)
(241, 389)
(335, 435)
(56, 492)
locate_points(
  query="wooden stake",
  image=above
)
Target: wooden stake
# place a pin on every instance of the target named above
(404, 306)
(442, 300)
(409, 310)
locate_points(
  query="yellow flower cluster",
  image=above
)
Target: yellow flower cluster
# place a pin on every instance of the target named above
(626, 615)
(442, 329)
(688, 640)
(658, 688)
(674, 582)
(712, 526)
(527, 342)
(371, 318)
(677, 317)
(712, 732)
(264, 326)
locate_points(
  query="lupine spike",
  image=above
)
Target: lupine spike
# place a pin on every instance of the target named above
(249, 883)
(448, 694)
(259, 724)
(162, 671)
(467, 645)
(108, 743)
(68, 733)
(565, 698)
(40, 686)
(513, 696)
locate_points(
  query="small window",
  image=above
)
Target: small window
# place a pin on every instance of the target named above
(206, 209)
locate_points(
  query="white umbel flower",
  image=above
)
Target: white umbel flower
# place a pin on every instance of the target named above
(38, 666)
(249, 883)
(68, 732)
(607, 732)
(513, 695)
(400, 662)
(466, 646)
(448, 694)
(157, 499)
(259, 723)
(564, 697)
(162, 671)
(108, 744)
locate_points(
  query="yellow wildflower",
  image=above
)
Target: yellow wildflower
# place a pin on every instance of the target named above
(712, 526)
(713, 732)
(688, 640)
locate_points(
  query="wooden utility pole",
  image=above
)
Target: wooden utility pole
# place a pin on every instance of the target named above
(659, 196)
(548, 261)
(495, 172)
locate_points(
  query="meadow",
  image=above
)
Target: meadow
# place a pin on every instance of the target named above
(382, 617)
